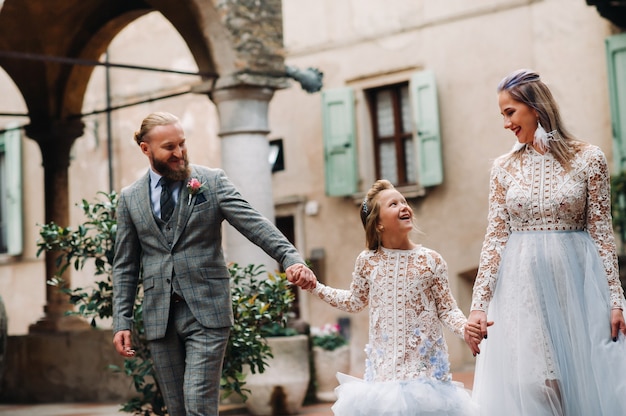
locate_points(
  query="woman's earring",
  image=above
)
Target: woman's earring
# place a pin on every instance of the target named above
(542, 138)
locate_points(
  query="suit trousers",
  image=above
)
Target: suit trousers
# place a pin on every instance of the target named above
(188, 363)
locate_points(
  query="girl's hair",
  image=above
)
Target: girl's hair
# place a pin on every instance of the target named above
(370, 211)
(151, 121)
(526, 86)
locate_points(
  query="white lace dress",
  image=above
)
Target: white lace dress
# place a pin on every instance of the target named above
(548, 278)
(407, 368)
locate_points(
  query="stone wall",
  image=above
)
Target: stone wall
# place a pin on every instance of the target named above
(63, 367)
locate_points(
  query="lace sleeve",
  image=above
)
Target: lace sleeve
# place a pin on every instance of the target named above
(599, 223)
(498, 231)
(447, 309)
(354, 299)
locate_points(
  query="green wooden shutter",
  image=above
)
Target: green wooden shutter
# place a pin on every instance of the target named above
(13, 164)
(339, 130)
(428, 136)
(616, 64)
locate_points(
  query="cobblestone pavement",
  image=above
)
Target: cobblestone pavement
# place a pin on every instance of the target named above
(112, 409)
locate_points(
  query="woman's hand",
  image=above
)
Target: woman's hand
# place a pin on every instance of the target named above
(617, 323)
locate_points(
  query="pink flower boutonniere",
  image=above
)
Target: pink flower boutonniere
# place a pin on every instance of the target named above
(194, 186)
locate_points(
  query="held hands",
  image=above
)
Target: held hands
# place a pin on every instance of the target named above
(302, 276)
(122, 343)
(476, 330)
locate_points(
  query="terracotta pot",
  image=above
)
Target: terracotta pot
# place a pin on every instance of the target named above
(327, 365)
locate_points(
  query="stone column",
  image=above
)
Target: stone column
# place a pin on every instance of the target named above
(55, 141)
(243, 114)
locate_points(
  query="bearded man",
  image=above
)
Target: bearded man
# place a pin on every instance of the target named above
(169, 226)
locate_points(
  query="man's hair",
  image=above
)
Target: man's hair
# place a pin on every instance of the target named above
(151, 121)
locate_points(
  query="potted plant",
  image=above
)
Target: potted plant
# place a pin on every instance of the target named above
(331, 354)
(281, 388)
(260, 305)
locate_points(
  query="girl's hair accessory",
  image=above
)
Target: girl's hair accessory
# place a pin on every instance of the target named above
(364, 206)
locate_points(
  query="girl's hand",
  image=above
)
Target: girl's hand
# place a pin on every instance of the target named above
(472, 337)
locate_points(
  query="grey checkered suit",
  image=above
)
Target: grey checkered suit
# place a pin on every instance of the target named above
(195, 259)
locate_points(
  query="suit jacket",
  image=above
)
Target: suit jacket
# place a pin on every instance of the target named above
(195, 255)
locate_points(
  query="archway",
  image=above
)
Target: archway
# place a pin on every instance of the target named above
(236, 48)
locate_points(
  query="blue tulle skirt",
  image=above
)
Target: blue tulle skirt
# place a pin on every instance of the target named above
(421, 397)
(550, 350)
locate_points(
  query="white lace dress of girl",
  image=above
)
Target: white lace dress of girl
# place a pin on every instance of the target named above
(407, 367)
(548, 279)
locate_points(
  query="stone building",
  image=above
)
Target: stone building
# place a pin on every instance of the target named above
(408, 94)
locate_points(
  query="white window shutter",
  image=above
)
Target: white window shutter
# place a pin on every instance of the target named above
(428, 136)
(13, 161)
(339, 130)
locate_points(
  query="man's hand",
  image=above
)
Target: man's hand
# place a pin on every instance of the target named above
(302, 276)
(121, 340)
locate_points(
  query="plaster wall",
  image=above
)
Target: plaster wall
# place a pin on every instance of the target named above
(470, 47)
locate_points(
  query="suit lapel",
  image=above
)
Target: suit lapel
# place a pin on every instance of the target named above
(185, 208)
(146, 210)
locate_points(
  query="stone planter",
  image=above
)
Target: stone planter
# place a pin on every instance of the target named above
(281, 389)
(327, 365)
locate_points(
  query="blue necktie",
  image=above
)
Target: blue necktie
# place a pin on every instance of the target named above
(167, 202)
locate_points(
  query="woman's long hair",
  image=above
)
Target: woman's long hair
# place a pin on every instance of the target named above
(526, 86)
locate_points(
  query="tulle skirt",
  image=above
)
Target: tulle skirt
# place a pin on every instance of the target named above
(550, 351)
(421, 397)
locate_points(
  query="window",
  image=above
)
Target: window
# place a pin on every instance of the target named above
(10, 192)
(616, 64)
(393, 133)
(276, 157)
(406, 148)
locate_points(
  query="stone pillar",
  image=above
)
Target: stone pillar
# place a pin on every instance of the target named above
(243, 114)
(55, 141)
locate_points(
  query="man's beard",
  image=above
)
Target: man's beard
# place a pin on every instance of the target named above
(172, 174)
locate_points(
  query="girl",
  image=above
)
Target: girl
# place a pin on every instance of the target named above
(406, 287)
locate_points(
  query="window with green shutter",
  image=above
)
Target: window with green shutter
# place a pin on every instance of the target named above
(405, 134)
(339, 142)
(11, 192)
(426, 120)
(616, 64)
(394, 150)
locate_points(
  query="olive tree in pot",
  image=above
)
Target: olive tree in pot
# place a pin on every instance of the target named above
(260, 305)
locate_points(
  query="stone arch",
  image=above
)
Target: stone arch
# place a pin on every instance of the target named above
(46, 49)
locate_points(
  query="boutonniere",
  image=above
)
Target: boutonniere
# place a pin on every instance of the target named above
(194, 186)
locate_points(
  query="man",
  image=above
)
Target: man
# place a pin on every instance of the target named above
(169, 229)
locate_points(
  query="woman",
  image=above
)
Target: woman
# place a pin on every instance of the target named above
(406, 288)
(548, 275)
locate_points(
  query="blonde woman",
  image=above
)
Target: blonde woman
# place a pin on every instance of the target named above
(548, 275)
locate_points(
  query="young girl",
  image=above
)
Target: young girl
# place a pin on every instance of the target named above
(406, 287)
